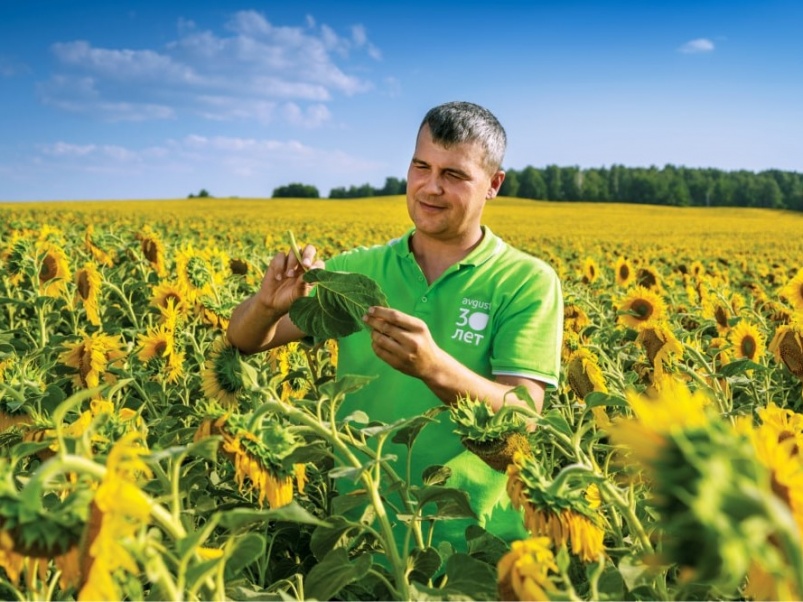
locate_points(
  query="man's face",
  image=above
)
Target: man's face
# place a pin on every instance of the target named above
(447, 188)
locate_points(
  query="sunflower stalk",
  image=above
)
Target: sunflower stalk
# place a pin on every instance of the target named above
(371, 483)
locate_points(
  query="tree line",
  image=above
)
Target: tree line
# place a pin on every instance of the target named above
(305, 191)
(670, 185)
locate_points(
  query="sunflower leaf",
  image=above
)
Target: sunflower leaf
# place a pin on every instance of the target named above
(341, 300)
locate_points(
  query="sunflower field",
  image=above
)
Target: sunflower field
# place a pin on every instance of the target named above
(145, 458)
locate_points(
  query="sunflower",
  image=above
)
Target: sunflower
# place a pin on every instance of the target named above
(195, 272)
(623, 272)
(222, 373)
(567, 517)
(590, 270)
(648, 277)
(705, 483)
(787, 345)
(785, 423)
(18, 254)
(152, 249)
(92, 245)
(286, 360)
(640, 307)
(660, 344)
(92, 357)
(584, 374)
(54, 271)
(748, 342)
(259, 459)
(780, 455)
(523, 573)
(697, 269)
(331, 348)
(793, 291)
(166, 292)
(159, 343)
(119, 510)
(214, 314)
(87, 291)
(716, 309)
(239, 267)
(575, 318)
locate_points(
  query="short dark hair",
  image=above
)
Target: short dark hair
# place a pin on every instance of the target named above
(459, 121)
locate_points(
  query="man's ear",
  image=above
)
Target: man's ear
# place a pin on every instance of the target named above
(496, 184)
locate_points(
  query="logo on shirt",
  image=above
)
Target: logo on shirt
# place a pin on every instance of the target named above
(472, 320)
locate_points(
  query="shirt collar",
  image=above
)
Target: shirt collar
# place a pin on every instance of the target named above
(489, 246)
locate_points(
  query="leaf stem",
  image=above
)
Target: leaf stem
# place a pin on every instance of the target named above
(294, 248)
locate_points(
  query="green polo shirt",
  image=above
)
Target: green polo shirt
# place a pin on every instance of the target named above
(499, 311)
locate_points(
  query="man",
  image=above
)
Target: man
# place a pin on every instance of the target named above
(467, 314)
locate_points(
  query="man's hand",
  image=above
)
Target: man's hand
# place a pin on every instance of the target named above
(404, 342)
(283, 281)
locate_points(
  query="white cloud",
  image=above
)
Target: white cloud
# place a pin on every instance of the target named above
(243, 73)
(9, 67)
(697, 46)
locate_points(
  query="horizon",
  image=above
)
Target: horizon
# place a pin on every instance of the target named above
(141, 100)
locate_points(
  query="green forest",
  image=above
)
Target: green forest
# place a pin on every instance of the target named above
(670, 185)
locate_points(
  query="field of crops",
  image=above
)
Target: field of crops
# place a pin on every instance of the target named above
(144, 458)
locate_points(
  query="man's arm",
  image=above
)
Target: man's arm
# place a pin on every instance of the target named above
(261, 321)
(405, 343)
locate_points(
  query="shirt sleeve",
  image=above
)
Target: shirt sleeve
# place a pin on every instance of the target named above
(529, 328)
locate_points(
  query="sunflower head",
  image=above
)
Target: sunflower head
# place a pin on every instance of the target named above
(641, 306)
(624, 274)
(787, 345)
(175, 293)
(747, 340)
(524, 572)
(569, 516)
(87, 291)
(224, 375)
(590, 271)
(575, 318)
(659, 343)
(92, 357)
(648, 277)
(54, 270)
(152, 249)
(793, 291)
(584, 374)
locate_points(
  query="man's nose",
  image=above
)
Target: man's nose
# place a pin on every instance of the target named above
(433, 184)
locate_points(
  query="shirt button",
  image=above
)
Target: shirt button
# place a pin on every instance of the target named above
(424, 299)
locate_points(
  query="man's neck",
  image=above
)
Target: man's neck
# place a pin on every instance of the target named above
(435, 256)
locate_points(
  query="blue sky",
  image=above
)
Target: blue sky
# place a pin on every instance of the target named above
(158, 99)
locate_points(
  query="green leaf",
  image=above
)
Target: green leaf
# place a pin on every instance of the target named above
(436, 475)
(598, 398)
(341, 300)
(739, 366)
(466, 579)
(634, 572)
(485, 546)
(410, 431)
(451, 503)
(238, 518)
(333, 573)
(425, 563)
(326, 538)
(343, 385)
(555, 420)
(248, 548)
